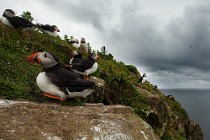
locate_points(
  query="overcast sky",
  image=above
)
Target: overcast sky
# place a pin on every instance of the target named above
(168, 40)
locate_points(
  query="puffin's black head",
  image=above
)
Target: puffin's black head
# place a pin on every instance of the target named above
(45, 59)
(56, 28)
(93, 56)
(82, 40)
(9, 13)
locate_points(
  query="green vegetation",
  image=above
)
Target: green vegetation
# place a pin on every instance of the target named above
(120, 90)
(172, 137)
(27, 15)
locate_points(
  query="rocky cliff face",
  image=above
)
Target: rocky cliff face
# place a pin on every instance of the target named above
(168, 119)
(30, 120)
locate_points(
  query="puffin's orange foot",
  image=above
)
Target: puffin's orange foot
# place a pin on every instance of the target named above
(53, 96)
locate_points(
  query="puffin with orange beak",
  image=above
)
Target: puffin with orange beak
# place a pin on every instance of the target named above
(57, 82)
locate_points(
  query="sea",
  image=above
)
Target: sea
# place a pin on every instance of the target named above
(197, 104)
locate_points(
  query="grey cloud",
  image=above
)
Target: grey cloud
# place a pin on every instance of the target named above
(192, 33)
(185, 44)
(183, 48)
(86, 12)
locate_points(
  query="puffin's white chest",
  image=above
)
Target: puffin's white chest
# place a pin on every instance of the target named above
(6, 22)
(51, 33)
(46, 85)
(92, 69)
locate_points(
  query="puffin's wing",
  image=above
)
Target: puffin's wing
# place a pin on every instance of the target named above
(22, 22)
(47, 27)
(66, 78)
(76, 60)
(14, 22)
(84, 65)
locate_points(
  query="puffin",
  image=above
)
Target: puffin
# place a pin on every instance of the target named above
(57, 82)
(83, 47)
(85, 66)
(78, 54)
(7, 13)
(10, 19)
(49, 29)
(141, 78)
(74, 41)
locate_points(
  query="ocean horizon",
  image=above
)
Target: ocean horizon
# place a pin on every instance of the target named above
(196, 103)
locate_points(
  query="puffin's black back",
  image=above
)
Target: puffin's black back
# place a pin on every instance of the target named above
(64, 78)
(47, 27)
(83, 65)
(77, 58)
(19, 22)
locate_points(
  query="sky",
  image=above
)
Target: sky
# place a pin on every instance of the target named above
(168, 40)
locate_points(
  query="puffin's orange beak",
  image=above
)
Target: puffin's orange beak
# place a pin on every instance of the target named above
(33, 58)
(98, 57)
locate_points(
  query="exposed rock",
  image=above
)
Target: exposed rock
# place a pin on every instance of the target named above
(30, 120)
(168, 118)
(99, 82)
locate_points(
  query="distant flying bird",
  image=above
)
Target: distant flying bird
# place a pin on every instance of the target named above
(10, 19)
(49, 29)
